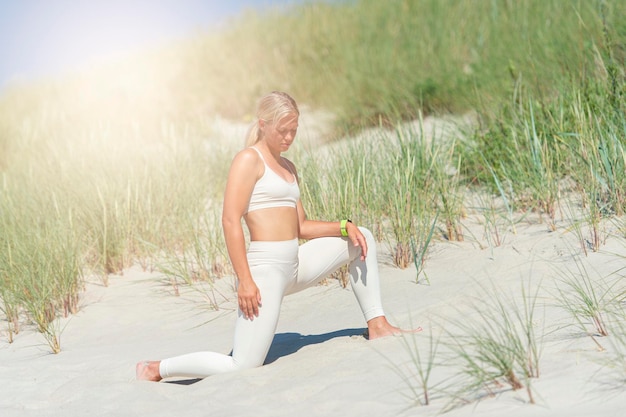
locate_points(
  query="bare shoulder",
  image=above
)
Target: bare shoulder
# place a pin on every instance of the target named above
(247, 157)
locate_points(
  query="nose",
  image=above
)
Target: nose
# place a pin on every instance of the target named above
(290, 136)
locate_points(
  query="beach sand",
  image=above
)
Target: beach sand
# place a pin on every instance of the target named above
(320, 364)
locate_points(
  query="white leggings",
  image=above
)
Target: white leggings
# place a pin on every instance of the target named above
(282, 268)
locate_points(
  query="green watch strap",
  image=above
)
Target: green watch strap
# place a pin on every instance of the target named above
(344, 223)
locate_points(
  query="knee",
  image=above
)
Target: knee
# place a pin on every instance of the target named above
(369, 237)
(248, 364)
(355, 251)
(251, 357)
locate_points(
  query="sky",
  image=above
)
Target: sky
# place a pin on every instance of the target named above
(40, 38)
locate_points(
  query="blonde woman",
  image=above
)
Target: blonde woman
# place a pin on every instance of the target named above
(262, 188)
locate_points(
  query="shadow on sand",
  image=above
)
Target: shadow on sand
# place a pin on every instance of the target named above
(285, 344)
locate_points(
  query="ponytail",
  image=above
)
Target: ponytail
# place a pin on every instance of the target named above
(254, 134)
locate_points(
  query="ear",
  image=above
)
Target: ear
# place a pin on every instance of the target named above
(261, 124)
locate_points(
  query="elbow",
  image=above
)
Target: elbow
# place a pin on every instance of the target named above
(228, 222)
(303, 233)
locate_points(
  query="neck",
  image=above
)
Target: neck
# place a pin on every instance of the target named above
(273, 152)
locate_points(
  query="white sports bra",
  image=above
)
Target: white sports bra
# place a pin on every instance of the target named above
(271, 190)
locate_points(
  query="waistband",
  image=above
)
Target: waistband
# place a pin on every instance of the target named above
(275, 250)
(264, 245)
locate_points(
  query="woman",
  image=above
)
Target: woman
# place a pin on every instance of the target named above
(263, 188)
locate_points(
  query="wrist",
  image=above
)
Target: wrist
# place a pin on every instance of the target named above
(245, 279)
(343, 224)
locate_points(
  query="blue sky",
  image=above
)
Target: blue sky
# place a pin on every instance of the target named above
(47, 37)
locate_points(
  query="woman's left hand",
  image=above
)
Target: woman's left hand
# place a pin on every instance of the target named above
(357, 238)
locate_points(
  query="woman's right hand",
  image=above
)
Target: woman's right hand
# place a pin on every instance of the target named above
(249, 298)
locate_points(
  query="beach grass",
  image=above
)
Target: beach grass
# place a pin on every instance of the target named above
(418, 373)
(497, 346)
(589, 298)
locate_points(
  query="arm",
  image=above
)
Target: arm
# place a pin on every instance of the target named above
(311, 229)
(241, 179)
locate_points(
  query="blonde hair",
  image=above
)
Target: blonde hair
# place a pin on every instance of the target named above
(271, 108)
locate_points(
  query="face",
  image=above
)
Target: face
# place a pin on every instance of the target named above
(280, 134)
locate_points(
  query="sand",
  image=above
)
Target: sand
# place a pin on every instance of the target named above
(319, 363)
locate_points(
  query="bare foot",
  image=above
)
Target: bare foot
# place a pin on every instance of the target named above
(148, 371)
(379, 327)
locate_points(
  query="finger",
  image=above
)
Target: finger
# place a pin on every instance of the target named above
(362, 242)
(363, 248)
(251, 309)
(257, 303)
(245, 309)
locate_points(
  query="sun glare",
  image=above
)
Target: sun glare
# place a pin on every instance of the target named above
(99, 31)
(50, 38)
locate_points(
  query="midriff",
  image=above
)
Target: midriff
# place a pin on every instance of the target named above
(273, 224)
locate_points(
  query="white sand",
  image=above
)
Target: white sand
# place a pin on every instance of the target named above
(319, 364)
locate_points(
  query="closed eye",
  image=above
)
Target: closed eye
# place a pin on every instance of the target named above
(284, 132)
